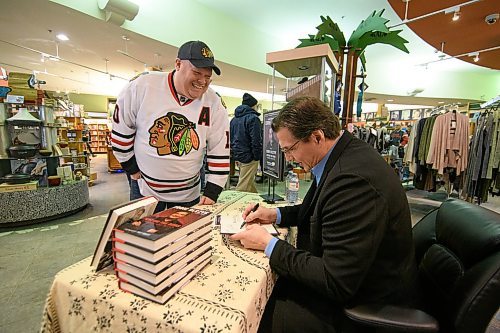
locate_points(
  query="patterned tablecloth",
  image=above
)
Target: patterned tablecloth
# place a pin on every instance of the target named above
(229, 295)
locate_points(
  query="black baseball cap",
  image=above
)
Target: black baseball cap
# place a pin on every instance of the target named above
(199, 54)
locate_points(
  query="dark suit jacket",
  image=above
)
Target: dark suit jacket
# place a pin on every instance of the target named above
(354, 236)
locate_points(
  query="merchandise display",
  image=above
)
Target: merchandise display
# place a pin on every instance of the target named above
(165, 236)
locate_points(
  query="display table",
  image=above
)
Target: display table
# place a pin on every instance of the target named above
(42, 204)
(228, 295)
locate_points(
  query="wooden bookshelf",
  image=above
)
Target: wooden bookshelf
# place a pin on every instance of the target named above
(98, 133)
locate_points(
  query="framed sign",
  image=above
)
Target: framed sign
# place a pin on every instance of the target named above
(272, 159)
(406, 114)
(395, 115)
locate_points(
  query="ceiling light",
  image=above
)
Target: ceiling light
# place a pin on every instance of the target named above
(62, 37)
(456, 14)
(390, 100)
(303, 68)
(475, 55)
(440, 102)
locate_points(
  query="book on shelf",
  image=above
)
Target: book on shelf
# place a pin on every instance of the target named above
(166, 294)
(169, 282)
(232, 224)
(159, 230)
(118, 215)
(155, 262)
(154, 279)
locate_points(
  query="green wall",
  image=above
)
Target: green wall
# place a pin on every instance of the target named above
(92, 103)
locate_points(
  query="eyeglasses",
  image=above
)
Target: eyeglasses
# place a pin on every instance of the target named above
(290, 149)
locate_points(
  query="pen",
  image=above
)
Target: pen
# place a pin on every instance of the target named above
(253, 210)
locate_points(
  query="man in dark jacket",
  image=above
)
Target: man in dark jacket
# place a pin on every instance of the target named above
(246, 142)
(354, 240)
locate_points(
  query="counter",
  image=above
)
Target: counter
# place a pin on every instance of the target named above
(42, 204)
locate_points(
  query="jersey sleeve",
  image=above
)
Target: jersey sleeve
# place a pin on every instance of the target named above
(217, 152)
(124, 129)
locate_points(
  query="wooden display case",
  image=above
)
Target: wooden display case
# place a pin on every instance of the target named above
(76, 152)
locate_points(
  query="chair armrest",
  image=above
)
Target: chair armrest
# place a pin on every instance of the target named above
(393, 317)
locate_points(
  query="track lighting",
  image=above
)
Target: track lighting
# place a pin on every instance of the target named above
(456, 14)
(475, 55)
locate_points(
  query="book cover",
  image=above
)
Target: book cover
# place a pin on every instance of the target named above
(165, 295)
(156, 231)
(155, 279)
(125, 213)
(137, 257)
(169, 281)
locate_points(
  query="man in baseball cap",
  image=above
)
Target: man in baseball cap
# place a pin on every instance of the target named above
(163, 126)
(199, 54)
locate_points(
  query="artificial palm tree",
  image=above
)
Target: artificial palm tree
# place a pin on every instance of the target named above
(373, 30)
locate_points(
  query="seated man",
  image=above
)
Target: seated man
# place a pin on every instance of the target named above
(354, 243)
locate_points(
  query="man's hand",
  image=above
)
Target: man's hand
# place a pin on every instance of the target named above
(254, 237)
(136, 175)
(206, 201)
(262, 215)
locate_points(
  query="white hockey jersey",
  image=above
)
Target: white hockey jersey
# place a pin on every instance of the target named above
(153, 133)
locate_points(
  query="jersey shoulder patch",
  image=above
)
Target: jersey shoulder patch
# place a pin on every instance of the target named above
(221, 100)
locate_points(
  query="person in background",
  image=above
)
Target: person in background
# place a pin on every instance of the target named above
(162, 124)
(354, 240)
(246, 142)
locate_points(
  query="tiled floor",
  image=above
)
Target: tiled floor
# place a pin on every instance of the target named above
(31, 256)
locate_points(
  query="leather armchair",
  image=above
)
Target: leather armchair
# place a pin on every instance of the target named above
(457, 248)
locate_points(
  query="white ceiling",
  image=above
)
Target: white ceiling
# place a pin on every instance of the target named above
(33, 24)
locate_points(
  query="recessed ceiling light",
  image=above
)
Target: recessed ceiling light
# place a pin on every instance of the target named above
(440, 102)
(390, 100)
(303, 67)
(62, 37)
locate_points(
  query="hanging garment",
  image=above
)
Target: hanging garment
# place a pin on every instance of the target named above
(448, 145)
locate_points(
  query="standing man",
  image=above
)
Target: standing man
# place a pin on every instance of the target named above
(162, 124)
(246, 142)
(354, 242)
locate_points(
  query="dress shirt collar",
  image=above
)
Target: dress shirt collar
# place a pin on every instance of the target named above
(319, 168)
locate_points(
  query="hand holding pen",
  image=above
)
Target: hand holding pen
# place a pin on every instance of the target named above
(254, 209)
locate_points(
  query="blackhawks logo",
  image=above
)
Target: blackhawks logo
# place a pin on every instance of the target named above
(206, 52)
(173, 134)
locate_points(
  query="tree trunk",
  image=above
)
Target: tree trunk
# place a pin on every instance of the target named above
(350, 87)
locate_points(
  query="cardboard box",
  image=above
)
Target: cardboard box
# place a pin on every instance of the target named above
(30, 186)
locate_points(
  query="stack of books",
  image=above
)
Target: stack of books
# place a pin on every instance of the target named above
(156, 255)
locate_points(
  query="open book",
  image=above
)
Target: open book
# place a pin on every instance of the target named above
(128, 212)
(232, 224)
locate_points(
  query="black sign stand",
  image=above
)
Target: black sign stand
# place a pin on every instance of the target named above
(272, 158)
(271, 198)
